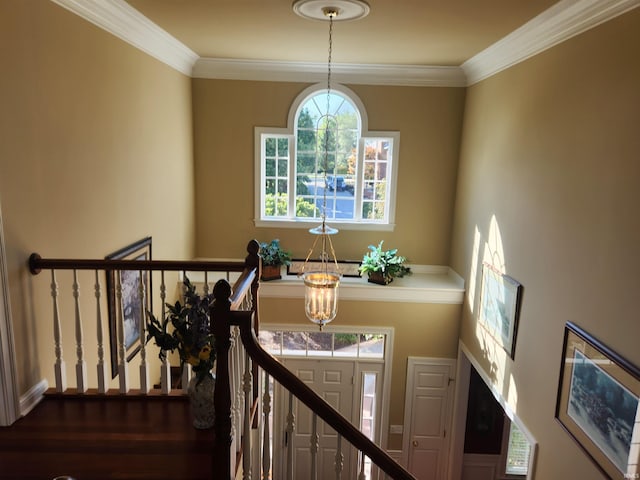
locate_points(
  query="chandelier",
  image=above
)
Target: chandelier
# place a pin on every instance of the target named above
(321, 279)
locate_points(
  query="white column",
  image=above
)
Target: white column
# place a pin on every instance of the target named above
(266, 435)
(60, 368)
(81, 365)
(246, 430)
(123, 370)
(102, 366)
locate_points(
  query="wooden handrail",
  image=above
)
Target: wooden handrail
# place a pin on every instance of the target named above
(37, 264)
(312, 400)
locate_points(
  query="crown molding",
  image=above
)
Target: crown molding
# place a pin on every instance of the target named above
(120, 19)
(368, 74)
(560, 22)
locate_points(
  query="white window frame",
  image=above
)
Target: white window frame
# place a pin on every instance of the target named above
(358, 223)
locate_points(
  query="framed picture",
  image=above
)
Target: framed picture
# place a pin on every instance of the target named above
(597, 403)
(131, 302)
(500, 301)
(347, 268)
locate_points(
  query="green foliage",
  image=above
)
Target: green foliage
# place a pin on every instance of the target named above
(387, 262)
(191, 333)
(273, 254)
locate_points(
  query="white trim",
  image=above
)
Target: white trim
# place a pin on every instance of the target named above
(560, 22)
(387, 360)
(465, 361)
(408, 400)
(30, 399)
(125, 22)
(436, 285)
(9, 408)
(363, 74)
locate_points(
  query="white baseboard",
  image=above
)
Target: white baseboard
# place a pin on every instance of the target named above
(30, 399)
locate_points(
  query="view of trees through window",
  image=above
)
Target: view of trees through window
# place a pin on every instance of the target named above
(322, 163)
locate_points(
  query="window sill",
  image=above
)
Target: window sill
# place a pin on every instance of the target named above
(378, 227)
(427, 284)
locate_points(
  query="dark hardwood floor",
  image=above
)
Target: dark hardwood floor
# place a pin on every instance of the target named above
(107, 437)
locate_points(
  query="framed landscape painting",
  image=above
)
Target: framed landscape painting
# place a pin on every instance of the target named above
(131, 301)
(597, 404)
(500, 301)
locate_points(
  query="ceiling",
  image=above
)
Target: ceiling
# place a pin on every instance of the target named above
(401, 42)
(396, 32)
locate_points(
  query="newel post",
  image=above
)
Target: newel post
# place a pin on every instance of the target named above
(220, 315)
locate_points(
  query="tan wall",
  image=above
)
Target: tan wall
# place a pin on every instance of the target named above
(225, 114)
(422, 330)
(95, 153)
(549, 181)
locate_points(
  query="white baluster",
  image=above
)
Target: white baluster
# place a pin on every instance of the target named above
(123, 370)
(266, 434)
(313, 447)
(60, 368)
(339, 458)
(205, 287)
(362, 475)
(81, 365)
(144, 368)
(102, 366)
(165, 368)
(291, 422)
(246, 431)
(186, 368)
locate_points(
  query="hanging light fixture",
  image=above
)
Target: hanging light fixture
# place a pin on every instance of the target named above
(321, 282)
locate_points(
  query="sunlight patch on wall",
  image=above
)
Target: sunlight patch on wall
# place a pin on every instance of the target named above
(473, 272)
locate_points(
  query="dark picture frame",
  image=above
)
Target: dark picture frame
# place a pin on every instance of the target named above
(598, 402)
(500, 303)
(347, 268)
(129, 279)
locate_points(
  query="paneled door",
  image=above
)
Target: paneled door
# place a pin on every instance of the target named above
(333, 380)
(427, 416)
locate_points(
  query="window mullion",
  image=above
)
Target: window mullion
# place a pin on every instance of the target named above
(293, 179)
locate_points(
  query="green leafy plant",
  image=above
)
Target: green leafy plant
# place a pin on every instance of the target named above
(273, 254)
(387, 263)
(190, 333)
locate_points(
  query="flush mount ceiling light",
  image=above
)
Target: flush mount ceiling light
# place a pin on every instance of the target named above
(322, 279)
(344, 9)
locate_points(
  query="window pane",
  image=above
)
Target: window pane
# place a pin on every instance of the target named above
(270, 187)
(283, 147)
(283, 168)
(282, 186)
(294, 343)
(517, 452)
(271, 341)
(270, 167)
(345, 345)
(306, 162)
(305, 208)
(372, 346)
(320, 344)
(270, 147)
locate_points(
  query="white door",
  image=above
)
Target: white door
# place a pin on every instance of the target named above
(333, 380)
(427, 416)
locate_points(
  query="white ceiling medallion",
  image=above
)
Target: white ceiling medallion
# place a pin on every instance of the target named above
(345, 9)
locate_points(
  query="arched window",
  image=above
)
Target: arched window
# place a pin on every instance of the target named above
(326, 152)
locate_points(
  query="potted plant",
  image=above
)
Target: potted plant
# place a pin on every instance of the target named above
(382, 266)
(191, 336)
(273, 257)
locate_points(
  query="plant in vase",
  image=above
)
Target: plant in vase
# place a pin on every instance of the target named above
(382, 266)
(191, 336)
(273, 257)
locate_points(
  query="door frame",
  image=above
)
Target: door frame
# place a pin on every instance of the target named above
(461, 397)
(386, 361)
(412, 362)
(9, 401)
